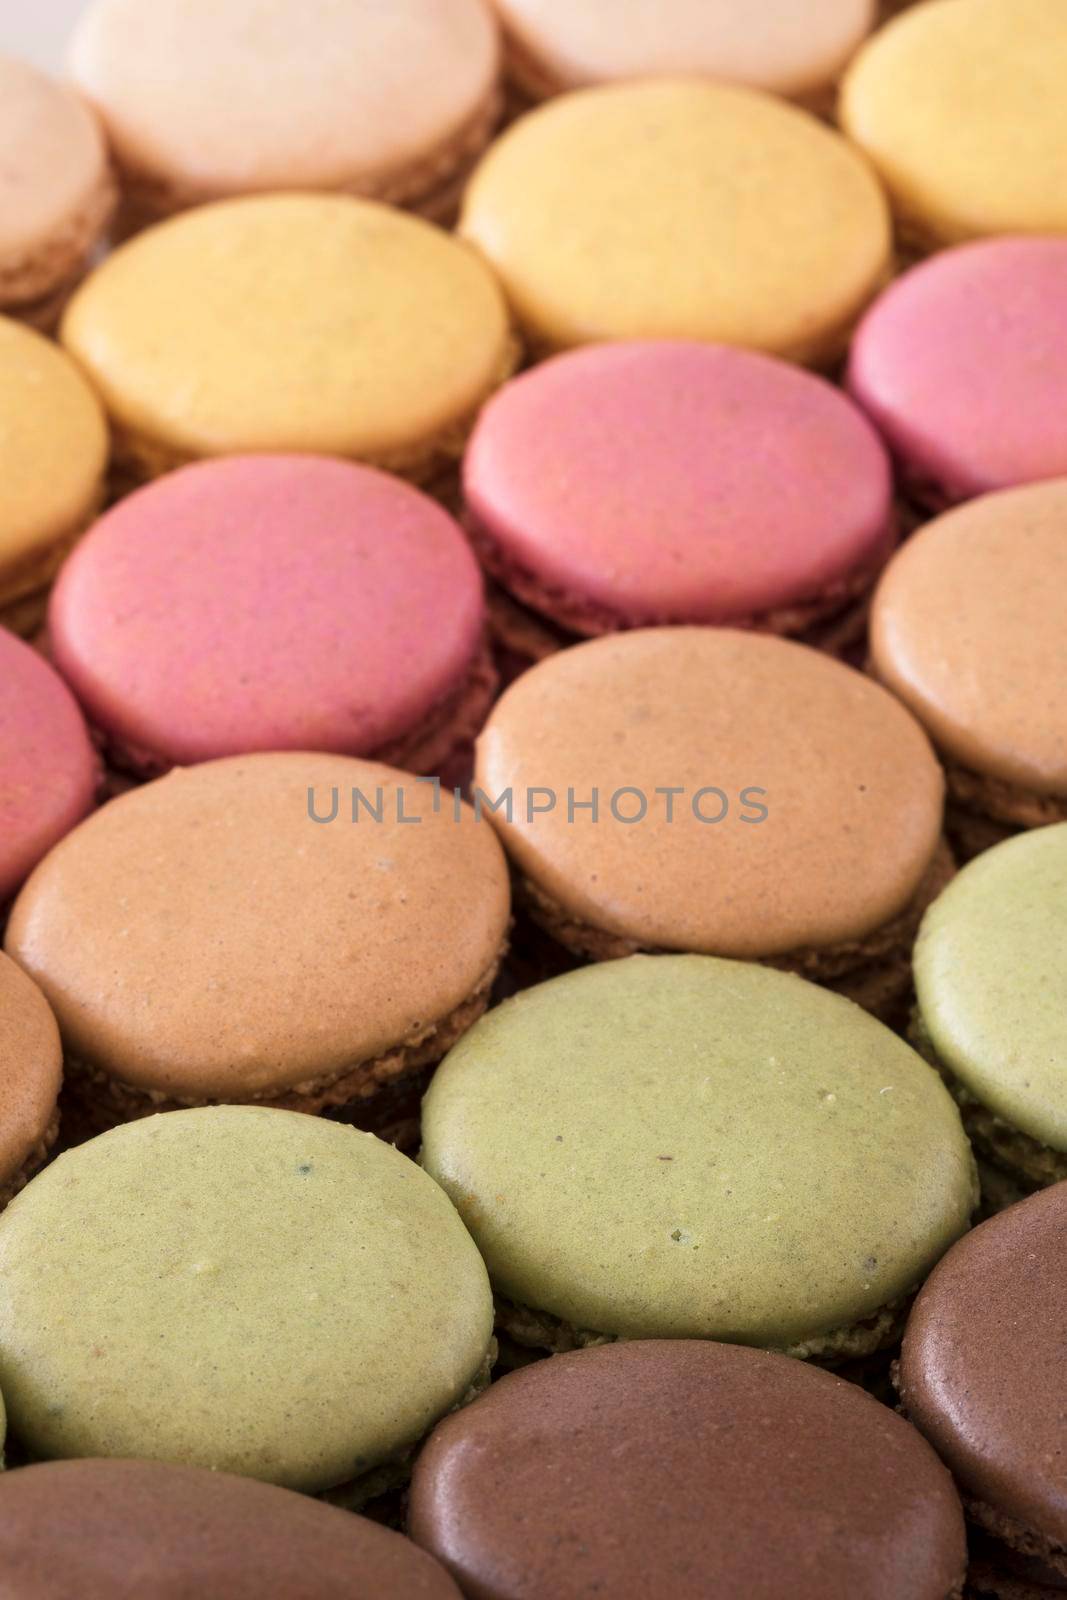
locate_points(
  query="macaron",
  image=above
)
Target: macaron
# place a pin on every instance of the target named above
(57, 194)
(275, 603)
(776, 1167)
(981, 1376)
(723, 793)
(626, 485)
(241, 1289)
(204, 100)
(794, 50)
(960, 365)
(48, 769)
(53, 459)
(141, 1530)
(967, 629)
(958, 104)
(304, 931)
(990, 977)
(31, 1069)
(686, 1469)
(680, 209)
(310, 323)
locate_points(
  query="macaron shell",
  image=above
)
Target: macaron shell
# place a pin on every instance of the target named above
(203, 937)
(48, 768)
(203, 1287)
(139, 1530)
(255, 95)
(680, 209)
(292, 322)
(267, 603)
(852, 791)
(961, 364)
(991, 973)
(678, 482)
(776, 1165)
(959, 105)
(967, 629)
(690, 1470)
(31, 1069)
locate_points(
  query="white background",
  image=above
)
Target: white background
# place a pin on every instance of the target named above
(38, 30)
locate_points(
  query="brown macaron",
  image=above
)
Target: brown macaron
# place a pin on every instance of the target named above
(31, 1069)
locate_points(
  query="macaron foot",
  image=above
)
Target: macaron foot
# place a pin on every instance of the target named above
(36, 1158)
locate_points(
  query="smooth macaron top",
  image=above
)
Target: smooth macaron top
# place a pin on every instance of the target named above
(686, 1469)
(792, 49)
(203, 99)
(959, 104)
(215, 935)
(31, 1068)
(991, 975)
(142, 1530)
(254, 1291)
(962, 364)
(676, 482)
(967, 628)
(738, 724)
(981, 1372)
(775, 1166)
(53, 450)
(267, 603)
(292, 322)
(680, 208)
(48, 768)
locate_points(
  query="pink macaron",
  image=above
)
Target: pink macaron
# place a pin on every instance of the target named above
(633, 485)
(962, 365)
(48, 767)
(275, 603)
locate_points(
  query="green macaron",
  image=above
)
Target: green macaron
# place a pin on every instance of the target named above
(686, 1147)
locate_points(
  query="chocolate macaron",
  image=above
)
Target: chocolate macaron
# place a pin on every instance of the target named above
(31, 1069)
(967, 629)
(242, 1289)
(304, 931)
(688, 1470)
(140, 1530)
(628, 485)
(679, 1147)
(981, 1375)
(721, 792)
(275, 603)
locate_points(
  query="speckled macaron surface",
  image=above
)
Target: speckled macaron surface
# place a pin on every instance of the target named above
(204, 937)
(292, 322)
(268, 603)
(675, 482)
(967, 628)
(807, 808)
(775, 1165)
(141, 1530)
(787, 48)
(690, 1470)
(991, 977)
(31, 1065)
(958, 103)
(238, 1288)
(203, 100)
(961, 364)
(981, 1371)
(680, 209)
(48, 769)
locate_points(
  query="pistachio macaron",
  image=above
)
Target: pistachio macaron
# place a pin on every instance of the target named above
(53, 460)
(241, 1289)
(57, 194)
(206, 99)
(720, 792)
(685, 209)
(958, 103)
(311, 323)
(305, 931)
(31, 1070)
(680, 1147)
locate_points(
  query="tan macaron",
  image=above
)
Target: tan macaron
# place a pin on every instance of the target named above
(31, 1065)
